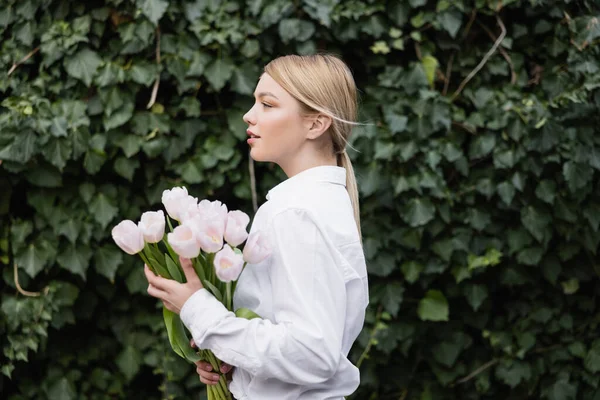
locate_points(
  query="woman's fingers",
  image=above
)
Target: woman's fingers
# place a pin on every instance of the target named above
(206, 376)
(225, 368)
(193, 344)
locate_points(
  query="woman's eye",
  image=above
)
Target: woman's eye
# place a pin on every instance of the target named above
(267, 105)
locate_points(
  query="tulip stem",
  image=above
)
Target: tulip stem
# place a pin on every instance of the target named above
(169, 222)
(145, 259)
(228, 296)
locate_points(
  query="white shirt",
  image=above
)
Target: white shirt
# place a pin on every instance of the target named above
(311, 293)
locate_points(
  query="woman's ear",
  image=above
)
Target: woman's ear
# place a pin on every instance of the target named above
(318, 126)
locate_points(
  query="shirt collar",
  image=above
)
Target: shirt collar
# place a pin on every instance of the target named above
(324, 173)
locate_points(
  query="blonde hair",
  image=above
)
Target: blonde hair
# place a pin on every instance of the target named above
(323, 83)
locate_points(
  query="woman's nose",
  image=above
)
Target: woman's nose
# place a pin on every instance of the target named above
(249, 117)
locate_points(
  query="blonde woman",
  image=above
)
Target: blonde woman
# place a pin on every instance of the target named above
(312, 292)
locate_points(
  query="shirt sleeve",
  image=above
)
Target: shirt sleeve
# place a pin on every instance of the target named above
(302, 345)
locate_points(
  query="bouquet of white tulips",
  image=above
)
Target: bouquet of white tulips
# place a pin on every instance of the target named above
(207, 234)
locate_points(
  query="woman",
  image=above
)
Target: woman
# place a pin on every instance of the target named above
(312, 292)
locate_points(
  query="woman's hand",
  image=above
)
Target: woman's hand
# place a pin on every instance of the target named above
(172, 293)
(204, 370)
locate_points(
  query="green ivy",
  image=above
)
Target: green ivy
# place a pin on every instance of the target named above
(478, 168)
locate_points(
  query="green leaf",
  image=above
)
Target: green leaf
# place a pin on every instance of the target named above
(476, 295)
(107, 260)
(103, 210)
(19, 230)
(75, 259)
(447, 351)
(22, 148)
(535, 221)
(411, 271)
(530, 256)
(44, 175)
(191, 172)
(592, 359)
(70, 229)
(443, 248)
(577, 349)
(430, 65)
(62, 389)
(546, 191)
(396, 123)
(506, 191)
(219, 72)
(451, 21)
(154, 9)
(129, 362)
(295, 29)
(244, 79)
(392, 297)
(58, 151)
(418, 212)
(562, 390)
(513, 372)
(577, 175)
(83, 65)
(126, 167)
(433, 307)
(482, 146)
(32, 259)
(143, 73)
(571, 286)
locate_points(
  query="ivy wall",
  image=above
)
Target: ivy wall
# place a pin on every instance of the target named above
(478, 167)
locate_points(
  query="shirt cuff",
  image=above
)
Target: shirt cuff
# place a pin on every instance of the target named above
(201, 312)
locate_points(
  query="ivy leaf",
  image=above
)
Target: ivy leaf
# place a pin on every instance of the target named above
(22, 148)
(392, 298)
(83, 65)
(102, 210)
(154, 9)
(418, 212)
(530, 256)
(447, 351)
(32, 259)
(476, 295)
(295, 29)
(577, 175)
(107, 260)
(430, 65)
(592, 359)
(535, 221)
(506, 191)
(62, 389)
(546, 191)
(244, 79)
(57, 151)
(70, 229)
(482, 146)
(513, 373)
(451, 22)
(433, 307)
(411, 271)
(75, 259)
(562, 390)
(126, 167)
(396, 123)
(129, 362)
(571, 286)
(218, 73)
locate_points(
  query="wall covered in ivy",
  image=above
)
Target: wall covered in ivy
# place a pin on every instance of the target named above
(478, 165)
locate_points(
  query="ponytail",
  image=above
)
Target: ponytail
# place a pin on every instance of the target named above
(351, 187)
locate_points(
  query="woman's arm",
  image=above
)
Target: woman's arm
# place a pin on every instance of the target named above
(303, 344)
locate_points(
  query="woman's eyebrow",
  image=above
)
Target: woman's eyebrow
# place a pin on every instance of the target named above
(264, 94)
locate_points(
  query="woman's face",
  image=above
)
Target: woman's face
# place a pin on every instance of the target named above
(276, 127)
